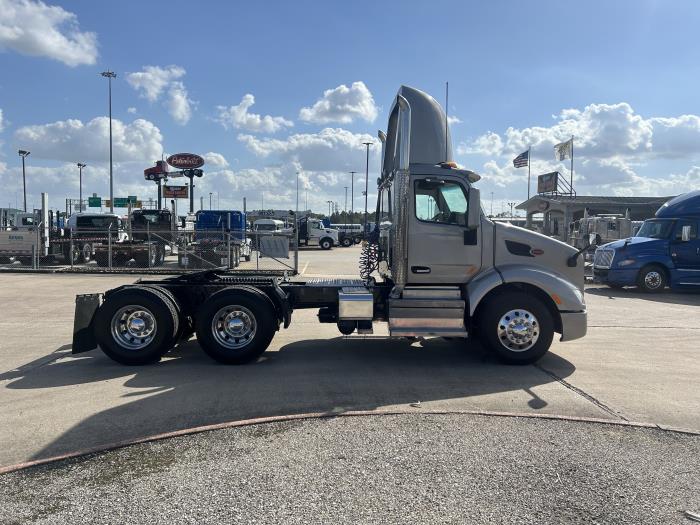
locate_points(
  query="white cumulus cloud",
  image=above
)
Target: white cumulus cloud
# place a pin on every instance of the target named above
(72, 140)
(215, 159)
(2, 122)
(36, 29)
(617, 150)
(239, 117)
(331, 149)
(155, 82)
(342, 104)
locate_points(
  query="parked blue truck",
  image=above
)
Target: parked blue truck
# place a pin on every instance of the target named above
(665, 251)
(215, 231)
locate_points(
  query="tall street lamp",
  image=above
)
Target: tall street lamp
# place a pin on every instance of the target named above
(352, 192)
(367, 144)
(210, 194)
(80, 197)
(24, 154)
(109, 75)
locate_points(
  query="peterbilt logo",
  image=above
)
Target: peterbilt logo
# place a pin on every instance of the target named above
(536, 251)
(185, 160)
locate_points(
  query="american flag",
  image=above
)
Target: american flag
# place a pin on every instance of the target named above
(521, 160)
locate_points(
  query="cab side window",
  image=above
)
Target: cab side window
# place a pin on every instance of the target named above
(678, 232)
(440, 202)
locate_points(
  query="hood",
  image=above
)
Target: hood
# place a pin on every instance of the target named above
(640, 242)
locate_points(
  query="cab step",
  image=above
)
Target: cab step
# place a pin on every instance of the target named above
(428, 311)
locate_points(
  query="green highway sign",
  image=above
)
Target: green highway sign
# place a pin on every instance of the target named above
(94, 202)
(123, 202)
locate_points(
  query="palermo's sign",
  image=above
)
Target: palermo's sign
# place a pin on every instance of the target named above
(185, 161)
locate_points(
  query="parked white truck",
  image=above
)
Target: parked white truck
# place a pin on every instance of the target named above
(437, 267)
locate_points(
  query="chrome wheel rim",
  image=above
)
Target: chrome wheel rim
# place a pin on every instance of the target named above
(652, 280)
(133, 327)
(234, 327)
(87, 252)
(518, 330)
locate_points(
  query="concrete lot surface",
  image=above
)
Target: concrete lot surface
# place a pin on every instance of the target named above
(639, 362)
(375, 469)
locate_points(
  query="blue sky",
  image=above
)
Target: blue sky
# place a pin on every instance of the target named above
(620, 76)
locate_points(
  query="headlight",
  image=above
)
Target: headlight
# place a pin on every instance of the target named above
(626, 262)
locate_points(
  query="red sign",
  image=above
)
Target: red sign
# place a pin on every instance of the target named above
(185, 161)
(175, 192)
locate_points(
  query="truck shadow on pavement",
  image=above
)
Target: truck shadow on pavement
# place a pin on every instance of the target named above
(689, 298)
(188, 389)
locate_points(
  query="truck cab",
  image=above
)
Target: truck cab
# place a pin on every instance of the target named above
(665, 251)
(314, 232)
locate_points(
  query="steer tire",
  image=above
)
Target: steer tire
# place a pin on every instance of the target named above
(489, 327)
(652, 279)
(326, 243)
(211, 333)
(106, 323)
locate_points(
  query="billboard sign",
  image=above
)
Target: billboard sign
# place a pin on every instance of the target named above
(185, 161)
(175, 192)
(548, 183)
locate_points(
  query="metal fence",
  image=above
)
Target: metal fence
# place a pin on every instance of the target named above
(149, 251)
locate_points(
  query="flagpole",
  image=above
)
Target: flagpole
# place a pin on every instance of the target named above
(572, 166)
(528, 172)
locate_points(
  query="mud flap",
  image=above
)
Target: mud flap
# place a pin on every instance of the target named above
(85, 307)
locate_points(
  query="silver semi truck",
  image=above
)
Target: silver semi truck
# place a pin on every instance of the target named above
(434, 266)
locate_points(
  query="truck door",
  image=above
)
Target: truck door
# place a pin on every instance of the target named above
(440, 248)
(686, 254)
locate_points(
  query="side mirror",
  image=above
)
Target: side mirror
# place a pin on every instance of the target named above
(685, 233)
(474, 210)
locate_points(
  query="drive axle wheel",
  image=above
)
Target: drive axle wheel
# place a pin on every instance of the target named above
(136, 326)
(235, 327)
(516, 326)
(346, 242)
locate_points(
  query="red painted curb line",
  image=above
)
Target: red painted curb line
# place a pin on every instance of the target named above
(328, 415)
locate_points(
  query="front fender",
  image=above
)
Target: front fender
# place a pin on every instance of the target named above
(566, 295)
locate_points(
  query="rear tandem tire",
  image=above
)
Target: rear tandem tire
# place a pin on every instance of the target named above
(117, 322)
(235, 327)
(509, 316)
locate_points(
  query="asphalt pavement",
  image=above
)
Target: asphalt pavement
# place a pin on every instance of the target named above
(375, 469)
(639, 362)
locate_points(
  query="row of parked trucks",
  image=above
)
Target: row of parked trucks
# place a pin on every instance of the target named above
(205, 239)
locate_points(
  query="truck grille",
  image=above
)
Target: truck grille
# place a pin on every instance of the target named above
(603, 258)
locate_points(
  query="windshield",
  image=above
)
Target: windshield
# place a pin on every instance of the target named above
(266, 227)
(655, 229)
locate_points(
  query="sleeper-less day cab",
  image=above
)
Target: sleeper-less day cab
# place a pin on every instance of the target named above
(434, 265)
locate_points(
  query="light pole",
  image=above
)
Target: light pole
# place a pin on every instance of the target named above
(296, 218)
(345, 208)
(511, 204)
(352, 192)
(24, 154)
(368, 144)
(109, 75)
(80, 182)
(210, 194)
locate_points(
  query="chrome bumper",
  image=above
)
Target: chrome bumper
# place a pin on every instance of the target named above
(573, 325)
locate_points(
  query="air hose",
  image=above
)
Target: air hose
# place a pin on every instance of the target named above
(369, 258)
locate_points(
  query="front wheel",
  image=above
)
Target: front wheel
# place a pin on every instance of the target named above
(651, 279)
(517, 327)
(326, 244)
(235, 327)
